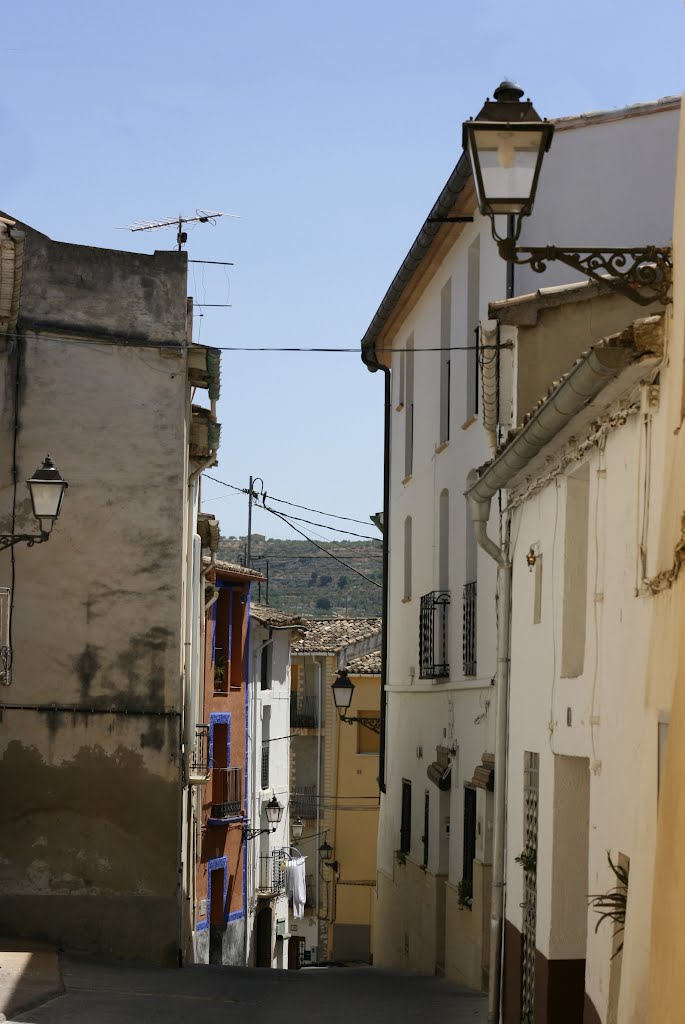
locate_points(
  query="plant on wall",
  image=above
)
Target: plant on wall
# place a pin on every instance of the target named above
(611, 905)
(528, 859)
(465, 893)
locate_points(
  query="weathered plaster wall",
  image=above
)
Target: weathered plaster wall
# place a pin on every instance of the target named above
(89, 837)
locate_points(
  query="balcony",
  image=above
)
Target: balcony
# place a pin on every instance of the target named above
(303, 802)
(227, 793)
(272, 873)
(199, 757)
(433, 662)
(304, 711)
(469, 629)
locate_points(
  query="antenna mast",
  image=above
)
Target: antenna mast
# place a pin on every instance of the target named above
(202, 216)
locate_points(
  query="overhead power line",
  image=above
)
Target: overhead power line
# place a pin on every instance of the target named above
(329, 553)
(356, 350)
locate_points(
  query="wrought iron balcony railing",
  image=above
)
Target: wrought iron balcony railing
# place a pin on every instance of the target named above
(303, 802)
(272, 872)
(227, 793)
(433, 622)
(304, 711)
(469, 629)
(199, 757)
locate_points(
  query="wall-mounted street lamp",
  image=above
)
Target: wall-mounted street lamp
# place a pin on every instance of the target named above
(325, 851)
(342, 690)
(531, 558)
(46, 488)
(274, 813)
(506, 143)
(297, 827)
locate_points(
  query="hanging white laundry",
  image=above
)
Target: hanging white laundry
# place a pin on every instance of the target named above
(296, 883)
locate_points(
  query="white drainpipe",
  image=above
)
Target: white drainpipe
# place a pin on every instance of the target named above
(480, 513)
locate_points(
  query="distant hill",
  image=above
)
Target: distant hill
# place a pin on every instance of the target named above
(304, 581)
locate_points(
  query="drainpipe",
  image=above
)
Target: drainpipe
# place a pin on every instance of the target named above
(319, 804)
(386, 550)
(480, 513)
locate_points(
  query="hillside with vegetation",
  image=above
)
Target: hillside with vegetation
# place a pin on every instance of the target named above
(305, 581)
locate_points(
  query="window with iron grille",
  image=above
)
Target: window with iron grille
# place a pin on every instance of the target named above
(469, 629)
(469, 833)
(405, 825)
(433, 661)
(265, 764)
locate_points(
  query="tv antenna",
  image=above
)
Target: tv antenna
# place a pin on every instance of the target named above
(201, 216)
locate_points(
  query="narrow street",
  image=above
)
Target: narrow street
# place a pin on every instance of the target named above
(115, 993)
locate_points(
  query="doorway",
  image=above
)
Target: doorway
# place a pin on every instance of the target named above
(263, 940)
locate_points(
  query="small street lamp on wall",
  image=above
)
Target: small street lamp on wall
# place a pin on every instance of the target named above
(46, 488)
(274, 813)
(506, 143)
(342, 690)
(297, 827)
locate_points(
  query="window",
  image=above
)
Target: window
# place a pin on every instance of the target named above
(368, 741)
(469, 638)
(537, 600)
(444, 542)
(469, 833)
(230, 631)
(575, 573)
(401, 369)
(426, 826)
(409, 409)
(265, 667)
(266, 746)
(445, 355)
(405, 826)
(407, 558)
(472, 322)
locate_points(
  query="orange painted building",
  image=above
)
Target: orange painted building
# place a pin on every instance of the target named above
(220, 899)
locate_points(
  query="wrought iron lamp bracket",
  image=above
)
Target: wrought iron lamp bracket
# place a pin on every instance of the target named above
(643, 275)
(252, 833)
(370, 723)
(7, 540)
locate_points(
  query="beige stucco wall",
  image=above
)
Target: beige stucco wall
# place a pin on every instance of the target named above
(666, 993)
(90, 827)
(407, 935)
(467, 931)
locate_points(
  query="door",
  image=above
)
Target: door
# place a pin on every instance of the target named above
(263, 947)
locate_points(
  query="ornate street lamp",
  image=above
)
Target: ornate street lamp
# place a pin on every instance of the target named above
(325, 851)
(506, 143)
(297, 827)
(46, 488)
(274, 813)
(342, 690)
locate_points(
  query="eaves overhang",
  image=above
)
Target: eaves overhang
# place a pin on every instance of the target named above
(621, 360)
(443, 207)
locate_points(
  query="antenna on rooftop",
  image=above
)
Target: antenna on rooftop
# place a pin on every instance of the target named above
(201, 216)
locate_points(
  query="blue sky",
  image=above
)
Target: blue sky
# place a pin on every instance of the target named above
(330, 130)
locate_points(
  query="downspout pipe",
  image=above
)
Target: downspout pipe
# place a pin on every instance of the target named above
(386, 561)
(480, 512)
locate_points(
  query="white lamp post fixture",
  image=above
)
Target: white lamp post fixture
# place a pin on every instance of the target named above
(506, 143)
(297, 827)
(46, 488)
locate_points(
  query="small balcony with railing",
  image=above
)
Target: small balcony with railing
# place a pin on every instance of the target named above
(227, 794)
(304, 803)
(198, 767)
(271, 880)
(469, 632)
(304, 711)
(433, 634)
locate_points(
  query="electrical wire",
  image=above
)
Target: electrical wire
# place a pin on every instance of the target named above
(329, 553)
(324, 526)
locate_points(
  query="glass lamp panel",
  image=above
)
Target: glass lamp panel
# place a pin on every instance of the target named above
(508, 161)
(342, 694)
(46, 499)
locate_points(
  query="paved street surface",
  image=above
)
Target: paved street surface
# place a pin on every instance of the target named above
(105, 994)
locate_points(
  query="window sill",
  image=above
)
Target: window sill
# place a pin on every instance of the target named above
(441, 447)
(399, 407)
(406, 479)
(406, 600)
(469, 422)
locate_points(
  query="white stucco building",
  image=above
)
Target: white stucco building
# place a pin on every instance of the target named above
(582, 474)
(268, 747)
(436, 823)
